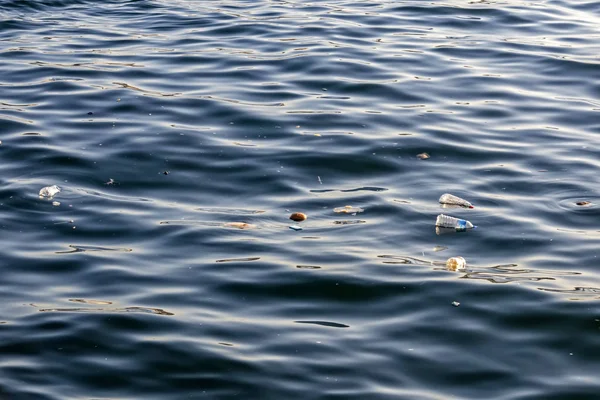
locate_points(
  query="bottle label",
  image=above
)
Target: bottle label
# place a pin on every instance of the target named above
(461, 224)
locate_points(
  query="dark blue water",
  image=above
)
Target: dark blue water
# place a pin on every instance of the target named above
(184, 133)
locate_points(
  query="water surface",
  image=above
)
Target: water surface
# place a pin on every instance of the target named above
(184, 133)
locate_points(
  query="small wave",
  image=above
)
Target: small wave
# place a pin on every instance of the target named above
(360, 189)
(324, 323)
(144, 310)
(82, 249)
(246, 259)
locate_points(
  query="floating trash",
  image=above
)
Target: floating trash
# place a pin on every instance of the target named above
(348, 210)
(239, 225)
(49, 191)
(456, 264)
(450, 199)
(295, 227)
(298, 217)
(308, 266)
(455, 303)
(439, 248)
(423, 156)
(583, 203)
(56, 203)
(446, 221)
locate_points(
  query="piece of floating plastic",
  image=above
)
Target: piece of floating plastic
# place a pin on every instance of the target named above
(295, 228)
(49, 191)
(446, 221)
(456, 264)
(348, 210)
(450, 199)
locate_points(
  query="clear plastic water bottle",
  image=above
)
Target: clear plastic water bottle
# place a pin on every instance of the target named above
(446, 221)
(450, 199)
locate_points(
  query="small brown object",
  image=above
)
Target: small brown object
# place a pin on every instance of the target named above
(423, 156)
(583, 203)
(298, 217)
(456, 264)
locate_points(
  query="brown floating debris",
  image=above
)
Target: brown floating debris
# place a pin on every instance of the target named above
(298, 216)
(423, 156)
(583, 203)
(348, 210)
(456, 264)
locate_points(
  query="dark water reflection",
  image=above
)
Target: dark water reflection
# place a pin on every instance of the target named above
(183, 134)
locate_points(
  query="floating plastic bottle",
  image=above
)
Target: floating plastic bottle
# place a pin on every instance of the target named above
(450, 199)
(446, 221)
(49, 191)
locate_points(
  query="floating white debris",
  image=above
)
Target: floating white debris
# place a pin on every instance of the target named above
(49, 191)
(348, 210)
(56, 203)
(455, 303)
(456, 264)
(450, 199)
(295, 227)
